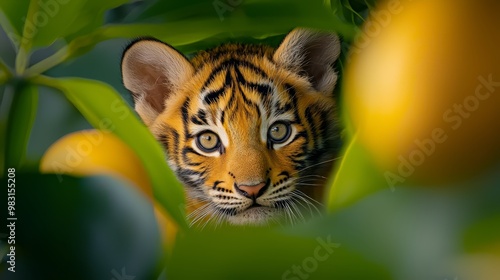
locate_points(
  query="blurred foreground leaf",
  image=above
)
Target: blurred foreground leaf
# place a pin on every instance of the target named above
(19, 123)
(105, 109)
(257, 253)
(189, 24)
(40, 23)
(71, 228)
(484, 236)
(356, 177)
(11, 15)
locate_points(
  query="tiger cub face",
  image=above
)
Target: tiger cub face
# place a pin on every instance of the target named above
(249, 130)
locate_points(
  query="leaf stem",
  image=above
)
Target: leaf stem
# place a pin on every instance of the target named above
(44, 81)
(21, 61)
(5, 107)
(5, 72)
(47, 63)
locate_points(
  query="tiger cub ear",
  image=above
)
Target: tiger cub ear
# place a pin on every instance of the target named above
(311, 53)
(152, 71)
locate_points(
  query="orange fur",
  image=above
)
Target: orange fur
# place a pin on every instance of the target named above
(239, 93)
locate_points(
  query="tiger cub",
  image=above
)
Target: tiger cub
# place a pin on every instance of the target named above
(250, 131)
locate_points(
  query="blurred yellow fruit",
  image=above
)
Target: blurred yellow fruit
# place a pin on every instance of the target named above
(99, 152)
(92, 152)
(423, 89)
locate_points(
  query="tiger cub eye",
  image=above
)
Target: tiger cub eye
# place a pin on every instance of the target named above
(208, 141)
(279, 132)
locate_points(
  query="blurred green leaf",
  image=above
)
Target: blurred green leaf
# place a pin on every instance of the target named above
(37, 23)
(483, 235)
(19, 124)
(91, 226)
(12, 17)
(223, 13)
(53, 19)
(356, 177)
(191, 22)
(104, 108)
(260, 253)
(5, 72)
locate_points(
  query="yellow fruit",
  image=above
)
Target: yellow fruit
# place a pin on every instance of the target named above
(98, 152)
(423, 89)
(92, 152)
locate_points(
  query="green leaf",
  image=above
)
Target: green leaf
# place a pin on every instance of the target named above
(189, 23)
(99, 224)
(40, 22)
(53, 19)
(33, 23)
(483, 235)
(12, 15)
(5, 72)
(243, 15)
(194, 25)
(104, 108)
(20, 121)
(264, 253)
(356, 177)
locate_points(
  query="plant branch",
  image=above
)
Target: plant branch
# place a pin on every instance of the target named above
(5, 72)
(44, 81)
(47, 63)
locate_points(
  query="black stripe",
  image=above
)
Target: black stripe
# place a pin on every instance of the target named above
(256, 108)
(249, 49)
(299, 135)
(231, 102)
(202, 116)
(187, 161)
(175, 140)
(185, 116)
(231, 62)
(292, 94)
(164, 140)
(216, 183)
(184, 175)
(242, 81)
(239, 77)
(262, 89)
(245, 99)
(188, 150)
(318, 154)
(212, 75)
(281, 109)
(222, 117)
(299, 164)
(254, 68)
(227, 81)
(299, 154)
(290, 90)
(196, 120)
(323, 126)
(184, 112)
(311, 123)
(213, 96)
(284, 173)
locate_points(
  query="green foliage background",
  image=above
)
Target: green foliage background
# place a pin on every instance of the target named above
(63, 76)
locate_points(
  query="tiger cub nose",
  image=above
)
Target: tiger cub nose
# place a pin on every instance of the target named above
(251, 190)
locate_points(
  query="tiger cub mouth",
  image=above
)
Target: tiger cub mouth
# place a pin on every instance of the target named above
(278, 202)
